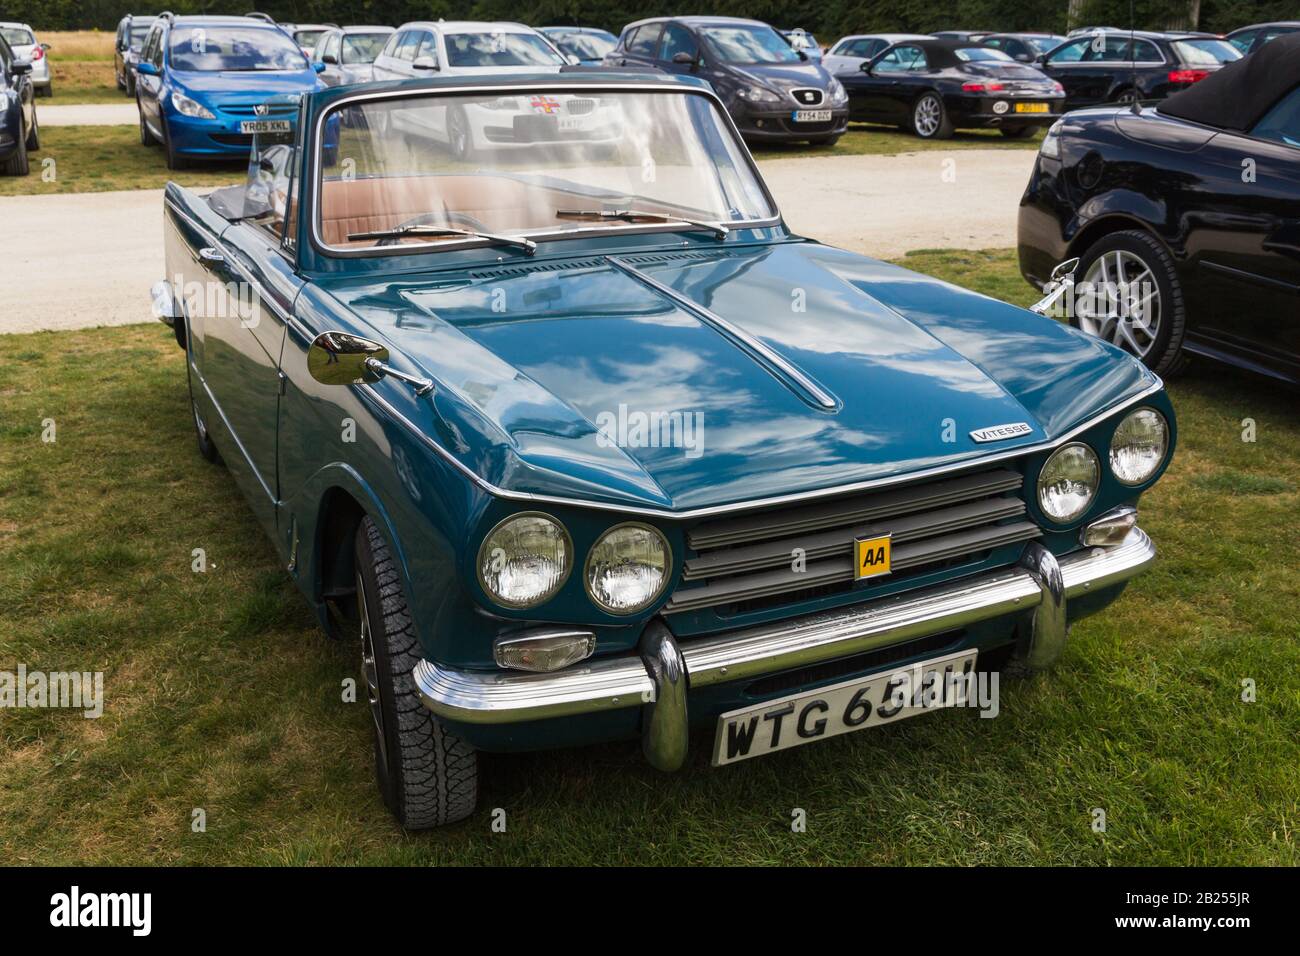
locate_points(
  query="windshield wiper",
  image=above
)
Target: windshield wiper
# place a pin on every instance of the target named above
(527, 245)
(718, 229)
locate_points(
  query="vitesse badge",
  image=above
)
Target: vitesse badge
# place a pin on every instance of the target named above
(871, 556)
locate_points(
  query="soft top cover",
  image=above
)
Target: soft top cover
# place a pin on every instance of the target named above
(941, 53)
(1238, 96)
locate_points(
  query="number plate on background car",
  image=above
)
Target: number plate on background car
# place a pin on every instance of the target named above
(1032, 108)
(841, 708)
(264, 126)
(812, 116)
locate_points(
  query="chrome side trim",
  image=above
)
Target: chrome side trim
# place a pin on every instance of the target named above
(774, 361)
(754, 504)
(651, 677)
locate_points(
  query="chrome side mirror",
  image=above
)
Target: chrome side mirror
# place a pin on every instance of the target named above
(1060, 284)
(338, 358)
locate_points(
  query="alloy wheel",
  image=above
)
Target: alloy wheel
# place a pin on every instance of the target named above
(927, 115)
(1121, 302)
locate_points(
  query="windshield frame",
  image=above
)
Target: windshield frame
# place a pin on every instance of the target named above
(315, 173)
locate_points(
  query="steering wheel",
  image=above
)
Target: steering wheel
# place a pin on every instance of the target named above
(453, 220)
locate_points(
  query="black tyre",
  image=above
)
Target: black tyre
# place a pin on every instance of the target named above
(146, 137)
(1126, 97)
(458, 133)
(16, 164)
(1128, 292)
(427, 776)
(206, 447)
(174, 159)
(1018, 132)
(929, 118)
(47, 90)
(34, 134)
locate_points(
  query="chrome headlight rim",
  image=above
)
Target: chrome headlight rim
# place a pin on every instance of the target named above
(1164, 452)
(555, 589)
(663, 586)
(1092, 497)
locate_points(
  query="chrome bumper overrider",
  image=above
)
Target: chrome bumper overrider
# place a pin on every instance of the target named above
(657, 678)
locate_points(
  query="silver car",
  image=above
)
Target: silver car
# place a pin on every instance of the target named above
(22, 39)
(349, 54)
(850, 52)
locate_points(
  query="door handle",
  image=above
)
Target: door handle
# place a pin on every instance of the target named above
(211, 256)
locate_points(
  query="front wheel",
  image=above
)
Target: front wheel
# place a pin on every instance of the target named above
(930, 119)
(1131, 296)
(427, 776)
(17, 165)
(174, 159)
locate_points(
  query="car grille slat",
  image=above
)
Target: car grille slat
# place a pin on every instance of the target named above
(939, 523)
(856, 510)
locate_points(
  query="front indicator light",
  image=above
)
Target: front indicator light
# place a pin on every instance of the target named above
(1068, 482)
(1138, 447)
(628, 568)
(525, 560)
(543, 652)
(1110, 529)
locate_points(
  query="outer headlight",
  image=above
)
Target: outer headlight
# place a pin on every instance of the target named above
(524, 560)
(1068, 482)
(1051, 145)
(188, 107)
(1139, 445)
(628, 568)
(760, 96)
(838, 96)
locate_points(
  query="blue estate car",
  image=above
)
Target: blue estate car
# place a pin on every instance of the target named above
(580, 443)
(203, 84)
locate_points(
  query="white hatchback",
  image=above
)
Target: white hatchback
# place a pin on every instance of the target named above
(22, 39)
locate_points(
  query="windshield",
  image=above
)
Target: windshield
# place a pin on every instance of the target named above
(362, 47)
(968, 54)
(307, 39)
(1208, 52)
(234, 49)
(1043, 44)
(138, 34)
(17, 37)
(500, 49)
(749, 43)
(585, 46)
(529, 163)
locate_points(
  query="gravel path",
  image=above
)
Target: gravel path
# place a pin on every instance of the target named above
(89, 259)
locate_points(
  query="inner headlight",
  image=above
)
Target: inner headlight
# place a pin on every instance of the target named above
(524, 560)
(189, 107)
(1068, 482)
(1138, 446)
(628, 568)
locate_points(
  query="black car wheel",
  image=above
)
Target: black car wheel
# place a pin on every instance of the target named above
(1130, 295)
(929, 118)
(16, 165)
(427, 776)
(34, 134)
(1126, 97)
(146, 137)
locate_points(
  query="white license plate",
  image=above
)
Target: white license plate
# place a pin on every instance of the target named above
(264, 126)
(812, 116)
(570, 123)
(841, 708)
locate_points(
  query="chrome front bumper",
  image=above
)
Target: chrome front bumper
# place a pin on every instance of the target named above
(658, 676)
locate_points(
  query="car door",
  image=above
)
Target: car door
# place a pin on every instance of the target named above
(1081, 67)
(396, 63)
(328, 52)
(880, 94)
(149, 87)
(678, 39)
(1246, 247)
(643, 45)
(119, 50)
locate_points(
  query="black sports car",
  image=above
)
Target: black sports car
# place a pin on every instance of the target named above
(1251, 38)
(936, 86)
(18, 130)
(1122, 66)
(1186, 218)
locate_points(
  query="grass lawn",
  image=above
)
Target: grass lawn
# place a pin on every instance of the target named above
(83, 81)
(222, 695)
(100, 158)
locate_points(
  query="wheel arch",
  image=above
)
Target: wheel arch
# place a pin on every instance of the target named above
(1105, 225)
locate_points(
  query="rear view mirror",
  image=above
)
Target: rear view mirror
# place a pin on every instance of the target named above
(683, 58)
(866, 68)
(329, 58)
(148, 69)
(45, 47)
(337, 358)
(21, 67)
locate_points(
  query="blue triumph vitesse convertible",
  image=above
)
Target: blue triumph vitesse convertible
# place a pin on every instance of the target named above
(586, 445)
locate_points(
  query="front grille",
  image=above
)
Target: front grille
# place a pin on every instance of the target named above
(250, 109)
(580, 107)
(746, 563)
(829, 670)
(807, 97)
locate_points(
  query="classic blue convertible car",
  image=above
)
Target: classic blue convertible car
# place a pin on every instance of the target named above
(586, 445)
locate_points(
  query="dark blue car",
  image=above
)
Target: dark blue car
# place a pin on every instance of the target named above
(205, 84)
(18, 130)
